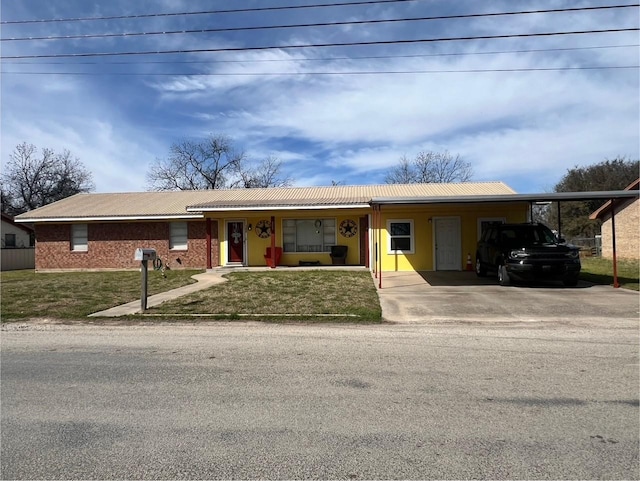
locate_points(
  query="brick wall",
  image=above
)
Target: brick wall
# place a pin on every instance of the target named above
(627, 233)
(112, 245)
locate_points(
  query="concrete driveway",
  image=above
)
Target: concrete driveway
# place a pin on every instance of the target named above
(433, 297)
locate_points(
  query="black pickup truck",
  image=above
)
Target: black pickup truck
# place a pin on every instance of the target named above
(526, 252)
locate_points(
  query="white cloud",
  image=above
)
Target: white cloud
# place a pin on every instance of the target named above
(527, 126)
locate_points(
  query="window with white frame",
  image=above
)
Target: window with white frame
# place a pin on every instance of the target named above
(400, 234)
(178, 236)
(308, 235)
(79, 238)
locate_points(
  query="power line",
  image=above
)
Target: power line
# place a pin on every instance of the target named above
(321, 45)
(327, 59)
(204, 12)
(289, 74)
(322, 24)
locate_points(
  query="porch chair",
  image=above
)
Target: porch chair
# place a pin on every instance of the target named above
(339, 254)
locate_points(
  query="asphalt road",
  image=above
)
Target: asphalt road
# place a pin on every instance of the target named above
(455, 401)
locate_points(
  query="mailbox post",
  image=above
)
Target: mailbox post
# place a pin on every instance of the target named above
(144, 256)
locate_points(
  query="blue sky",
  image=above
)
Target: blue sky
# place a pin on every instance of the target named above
(524, 128)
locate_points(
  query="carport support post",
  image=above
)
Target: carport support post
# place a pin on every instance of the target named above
(143, 296)
(273, 242)
(375, 240)
(559, 222)
(616, 284)
(380, 246)
(209, 257)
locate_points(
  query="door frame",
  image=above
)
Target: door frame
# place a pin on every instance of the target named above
(458, 220)
(228, 246)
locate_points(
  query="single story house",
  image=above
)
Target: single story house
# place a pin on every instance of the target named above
(17, 245)
(626, 222)
(16, 235)
(413, 227)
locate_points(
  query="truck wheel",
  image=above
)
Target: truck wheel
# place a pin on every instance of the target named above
(481, 271)
(503, 275)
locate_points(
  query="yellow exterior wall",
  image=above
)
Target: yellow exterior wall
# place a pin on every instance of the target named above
(421, 260)
(423, 223)
(256, 247)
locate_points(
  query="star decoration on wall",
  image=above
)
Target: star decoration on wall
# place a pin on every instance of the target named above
(348, 228)
(263, 229)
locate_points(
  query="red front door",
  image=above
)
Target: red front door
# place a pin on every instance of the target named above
(235, 241)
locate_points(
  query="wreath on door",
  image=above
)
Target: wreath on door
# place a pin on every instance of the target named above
(263, 229)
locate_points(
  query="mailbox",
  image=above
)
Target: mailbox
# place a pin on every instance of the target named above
(145, 255)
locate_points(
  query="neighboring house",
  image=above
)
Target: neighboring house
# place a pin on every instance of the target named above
(17, 245)
(627, 226)
(15, 235)
(419, 227)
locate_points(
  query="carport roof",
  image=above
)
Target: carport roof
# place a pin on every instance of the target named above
(606, 208)
(542, 197)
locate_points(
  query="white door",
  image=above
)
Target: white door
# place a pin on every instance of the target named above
(448, 244)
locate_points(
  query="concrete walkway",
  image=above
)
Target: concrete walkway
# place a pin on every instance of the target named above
(205, 280)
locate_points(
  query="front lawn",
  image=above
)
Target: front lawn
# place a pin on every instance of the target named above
(74, 295)
(600, 271)
(286, 295)
(314, 295)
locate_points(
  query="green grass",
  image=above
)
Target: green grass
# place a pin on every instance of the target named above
(600, 271)
(314, 295)
(74, 295)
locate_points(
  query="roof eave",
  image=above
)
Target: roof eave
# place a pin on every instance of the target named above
(606, 207)
(495, 198)
(110, 218)
(262, 208)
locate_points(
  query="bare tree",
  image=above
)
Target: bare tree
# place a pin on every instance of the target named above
(212, 163)
(403, 173)
(196, 165)
(31, 180)
(430, 167)
(265, 174)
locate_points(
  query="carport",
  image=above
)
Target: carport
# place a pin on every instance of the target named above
(614, 197)
(455, 297)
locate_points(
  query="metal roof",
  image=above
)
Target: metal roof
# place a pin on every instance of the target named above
(118, 206)
(606, 208)
(192, 204)
(543, 197)
(339, 196)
